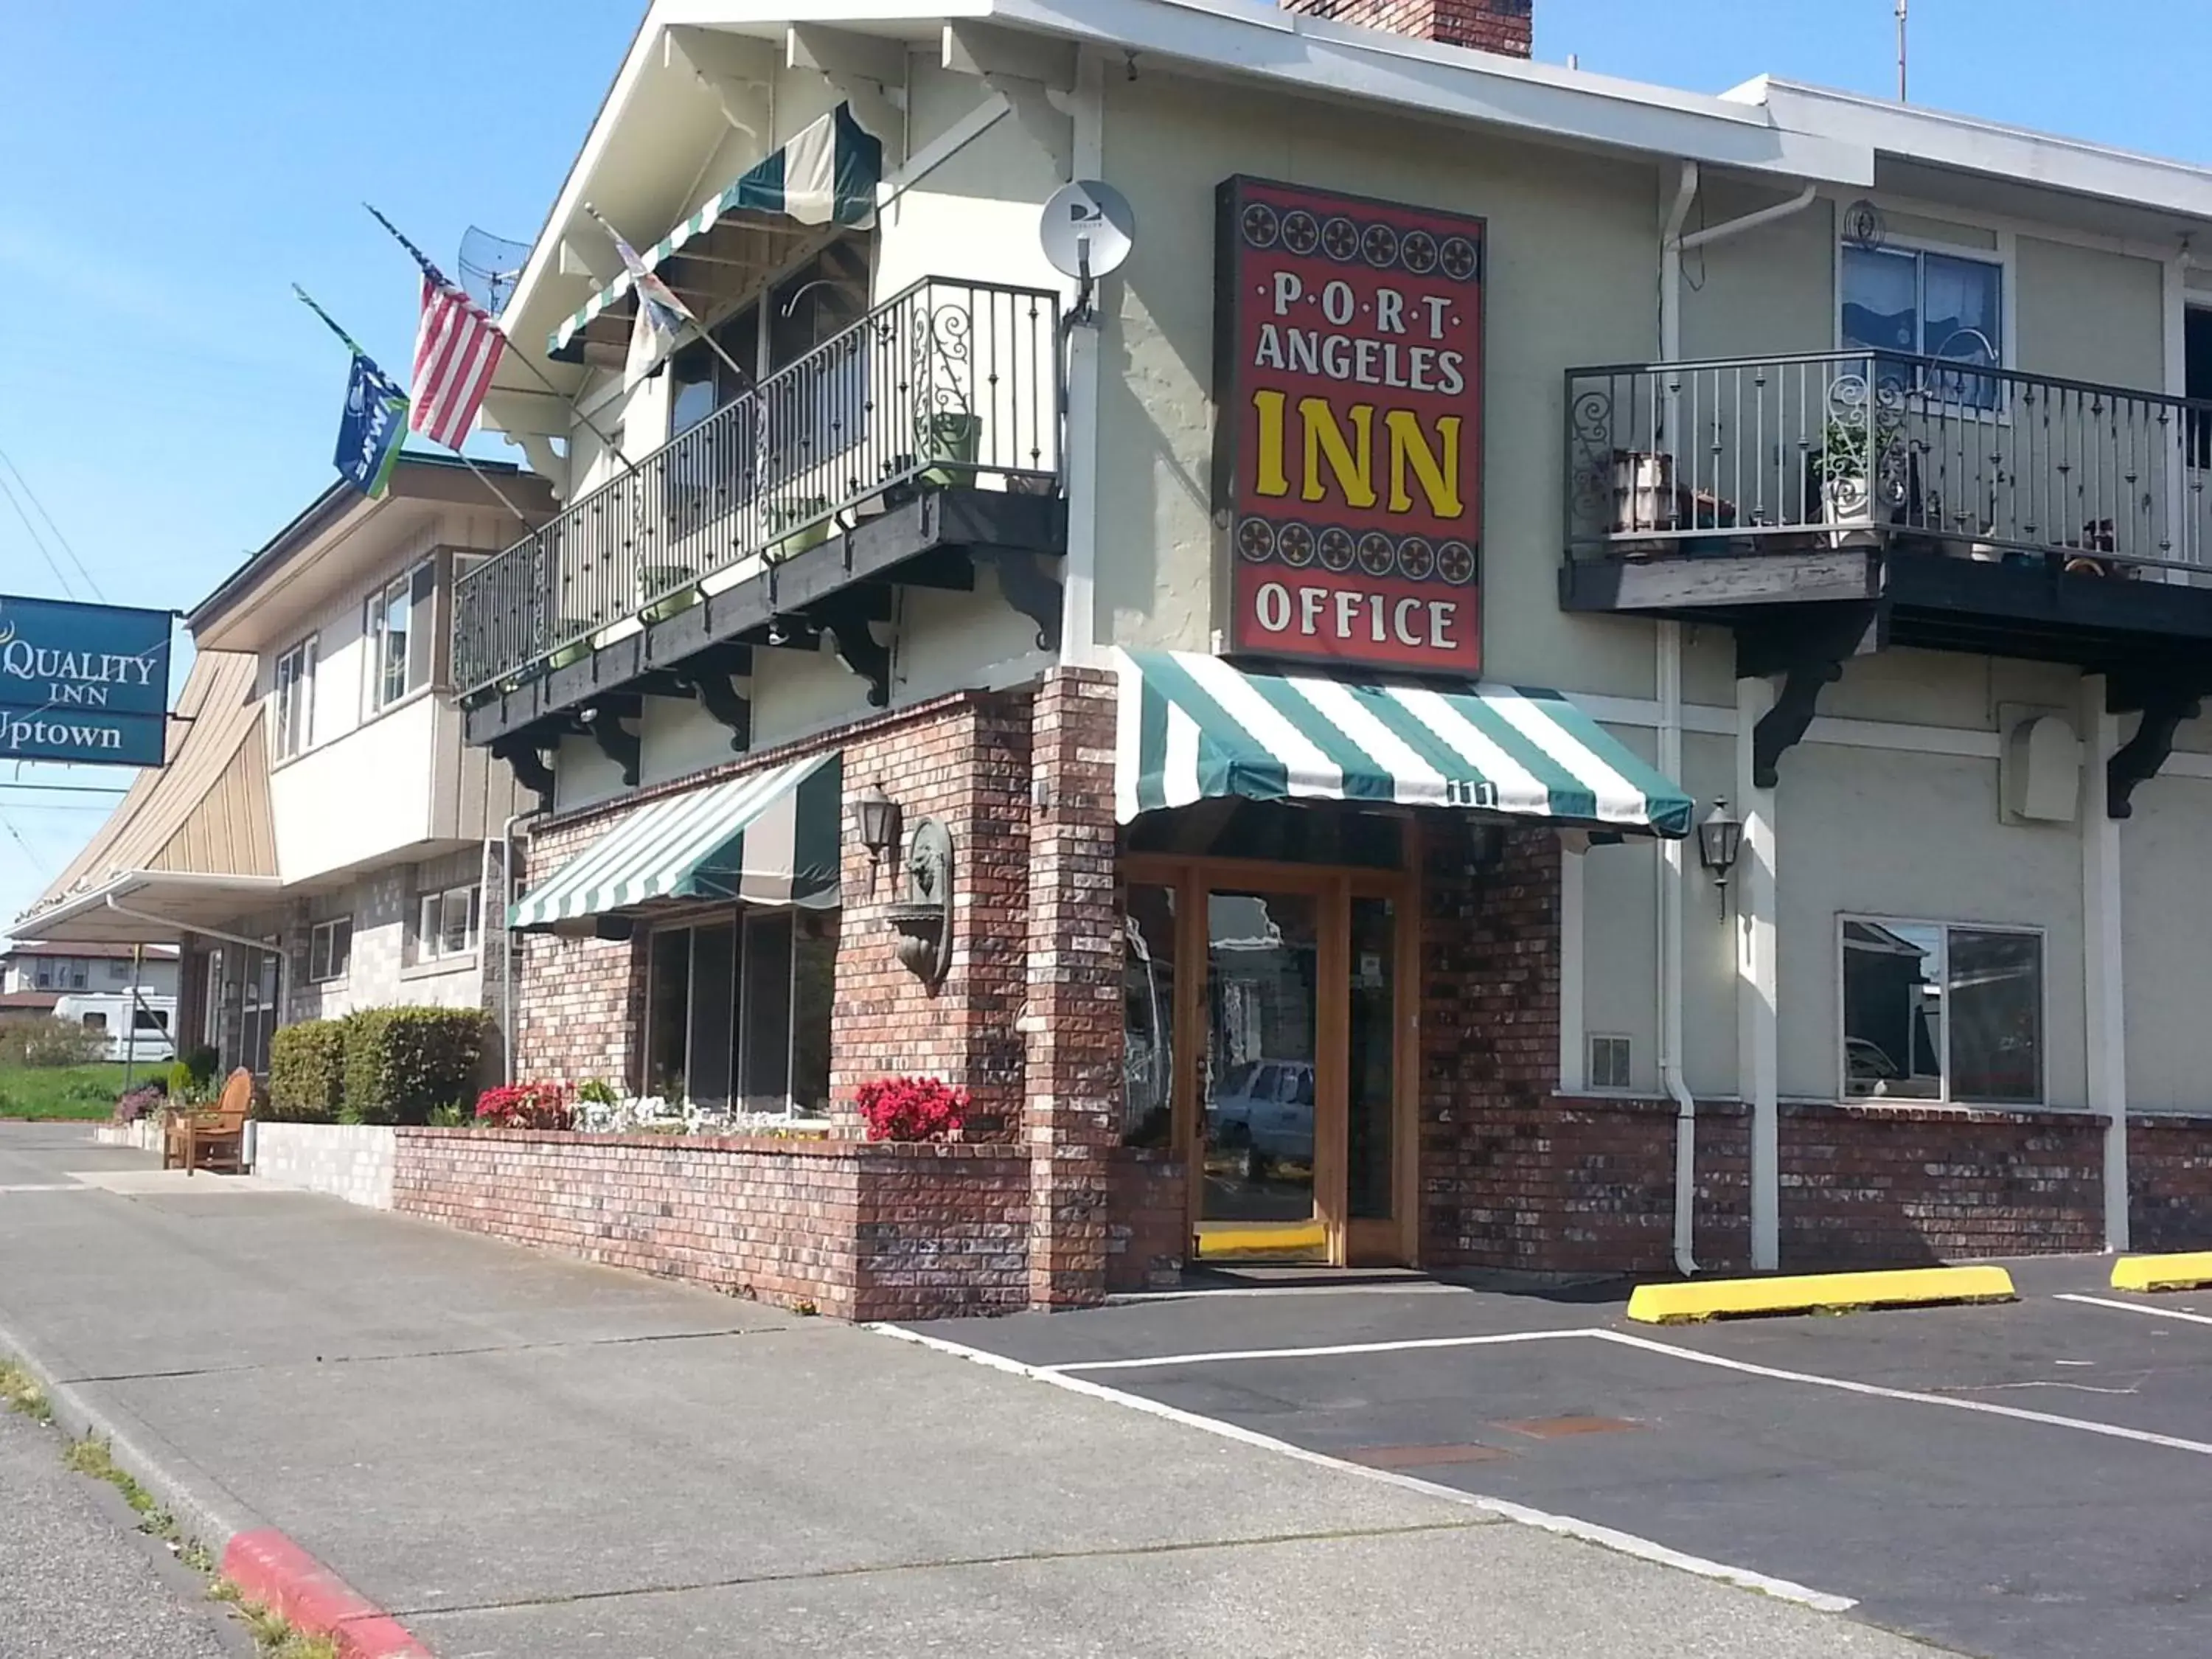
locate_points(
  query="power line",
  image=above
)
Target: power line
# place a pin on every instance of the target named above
(37, 540)
(33, 495)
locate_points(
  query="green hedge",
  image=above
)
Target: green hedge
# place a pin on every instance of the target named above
(307, 1071)
(401, 1064)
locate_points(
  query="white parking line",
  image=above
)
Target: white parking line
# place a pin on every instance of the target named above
(1155, 1361)
(2136, 1307)
(1643, 1549)
(2109, 1431)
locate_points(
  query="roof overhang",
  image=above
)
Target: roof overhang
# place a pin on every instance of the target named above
(148, 907)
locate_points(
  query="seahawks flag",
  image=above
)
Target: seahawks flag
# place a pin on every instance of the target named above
(374, 421)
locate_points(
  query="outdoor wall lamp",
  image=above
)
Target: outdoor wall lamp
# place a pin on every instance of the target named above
(878, 816)
(1719, 839)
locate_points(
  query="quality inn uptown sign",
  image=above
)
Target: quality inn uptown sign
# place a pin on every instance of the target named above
(1348, 378)
(84, 682)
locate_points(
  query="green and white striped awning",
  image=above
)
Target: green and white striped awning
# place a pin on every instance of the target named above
(771, 838)
(1194, 727)
(826, 175)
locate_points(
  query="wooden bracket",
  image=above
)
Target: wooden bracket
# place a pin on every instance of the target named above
(617, 741)
(723, 702)
(520, 751)
(1026, 585)
(844, 618)
(1808, 649)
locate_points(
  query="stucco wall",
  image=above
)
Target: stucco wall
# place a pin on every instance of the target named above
(2167, 911)
(1571, 279)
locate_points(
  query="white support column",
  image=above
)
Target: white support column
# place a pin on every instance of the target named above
(1078, 621)
(1574, 1046)
(2103, 965)
(1757, 1054)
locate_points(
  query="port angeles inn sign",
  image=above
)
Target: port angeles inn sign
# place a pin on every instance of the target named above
(1348, 377)
(84, 683)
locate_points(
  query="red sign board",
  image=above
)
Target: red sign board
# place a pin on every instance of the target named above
(1348, 377)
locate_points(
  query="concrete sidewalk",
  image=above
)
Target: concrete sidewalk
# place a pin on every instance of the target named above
(519, 1456)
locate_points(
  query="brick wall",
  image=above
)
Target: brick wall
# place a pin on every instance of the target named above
(2170, 1182)
(1148, 1219)
(1500, 26)
(838, 1227)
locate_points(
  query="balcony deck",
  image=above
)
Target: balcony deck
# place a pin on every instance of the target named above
(1960, 506)
(917, 445)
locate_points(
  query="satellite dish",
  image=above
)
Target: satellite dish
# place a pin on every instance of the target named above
(1089, 230)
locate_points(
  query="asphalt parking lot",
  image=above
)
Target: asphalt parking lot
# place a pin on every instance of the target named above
(2028, 1481)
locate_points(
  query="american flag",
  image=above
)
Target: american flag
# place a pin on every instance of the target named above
(457, 347)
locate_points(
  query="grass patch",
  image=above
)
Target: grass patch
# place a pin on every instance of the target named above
(92, 1457)
(70, 1093)
(20, 1394)
(273, 1633)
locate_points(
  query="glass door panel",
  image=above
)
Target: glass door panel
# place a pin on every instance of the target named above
(1262, 1043)
(1371, 1075)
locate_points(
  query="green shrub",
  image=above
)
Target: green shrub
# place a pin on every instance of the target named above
(40, 1040)
(307, 1071)
(401, 1063)
(177, 1080)
(200, 1065)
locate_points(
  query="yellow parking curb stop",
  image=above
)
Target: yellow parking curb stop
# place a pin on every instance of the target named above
(2163, 1273)
(1730, 1298)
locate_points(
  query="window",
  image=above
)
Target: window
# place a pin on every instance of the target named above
(151, 1019)
(737, 1013)
(295, 699)
(1609, 1062)
(445, 923)
(79, 976)
(1928, 305)
(401, 631)
(1939, 1012)
(330, 949)
(96, 1021)
(118, 970)
(700, 381)
(43, 975)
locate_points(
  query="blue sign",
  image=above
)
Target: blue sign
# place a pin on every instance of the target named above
(85, 683)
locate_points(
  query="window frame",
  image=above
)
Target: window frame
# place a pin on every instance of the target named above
(302, 656)
(1945, 1098)
(431, 943)
(749, 922)
(2001, 254)
(376, 616)
(322, 937)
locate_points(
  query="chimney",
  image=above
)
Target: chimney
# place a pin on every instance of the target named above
(1499, 25)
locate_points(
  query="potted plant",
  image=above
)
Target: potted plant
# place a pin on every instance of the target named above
(1846, 497)
(663, 589)
(947, 446)
(806, 520)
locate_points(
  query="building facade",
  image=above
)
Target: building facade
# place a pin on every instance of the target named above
(126, 993)
(317, 839)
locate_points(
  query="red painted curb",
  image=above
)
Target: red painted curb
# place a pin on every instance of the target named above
(273, 1570)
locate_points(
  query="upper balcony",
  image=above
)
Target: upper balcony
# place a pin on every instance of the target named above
(1917, 500)
(921, 442)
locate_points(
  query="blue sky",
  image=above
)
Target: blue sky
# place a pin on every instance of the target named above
(170, 170)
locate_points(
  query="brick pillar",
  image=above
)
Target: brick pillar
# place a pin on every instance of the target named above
(1073, 1022)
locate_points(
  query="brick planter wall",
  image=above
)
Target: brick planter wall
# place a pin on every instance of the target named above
(1147, 1219)
(2170, 1181)
(843, 1227)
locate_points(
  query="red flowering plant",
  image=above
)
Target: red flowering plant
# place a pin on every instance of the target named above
(911, 1107)
(526, 1106)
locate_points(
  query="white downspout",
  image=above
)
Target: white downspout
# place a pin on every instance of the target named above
(507, 970)
(1669, 689)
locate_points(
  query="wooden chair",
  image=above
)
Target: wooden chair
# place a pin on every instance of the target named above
(211, 1137)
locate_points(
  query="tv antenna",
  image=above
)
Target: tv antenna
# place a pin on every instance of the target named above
(1900, 51)
(1088, 231)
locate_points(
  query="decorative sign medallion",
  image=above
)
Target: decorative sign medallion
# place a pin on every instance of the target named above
(1348, 381)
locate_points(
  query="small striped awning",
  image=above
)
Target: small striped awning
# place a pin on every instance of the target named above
(1195, 727)
(826, 175)
(771, 838)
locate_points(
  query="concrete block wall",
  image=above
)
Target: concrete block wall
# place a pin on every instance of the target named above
(351, 1161)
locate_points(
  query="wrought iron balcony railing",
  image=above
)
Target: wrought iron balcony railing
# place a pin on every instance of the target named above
(1844, 448)
(950, 383)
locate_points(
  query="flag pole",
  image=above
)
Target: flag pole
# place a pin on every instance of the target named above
(354, 346)
(745, 376)
(528, 362)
